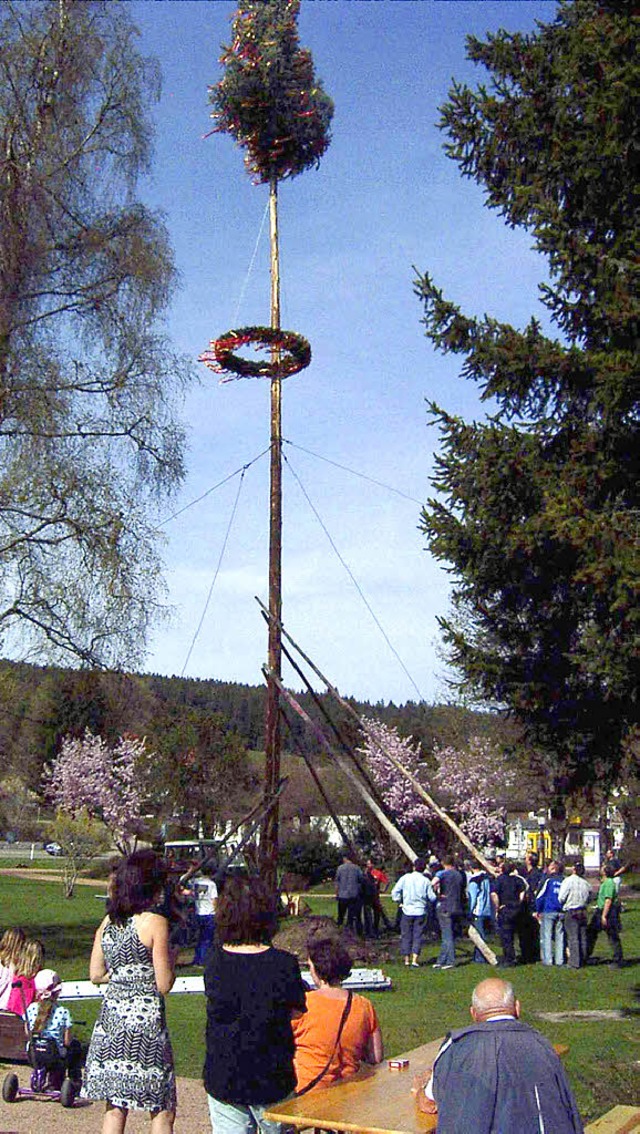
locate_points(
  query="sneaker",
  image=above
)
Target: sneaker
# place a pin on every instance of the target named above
(415, 964)
(443, 967)
(437, 966)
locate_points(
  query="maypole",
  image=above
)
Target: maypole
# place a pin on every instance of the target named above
(272, 733)
(271, 103)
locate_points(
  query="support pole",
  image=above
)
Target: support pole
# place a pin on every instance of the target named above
(327, 802)
(415, 783)
(269, 830)
(345, 766)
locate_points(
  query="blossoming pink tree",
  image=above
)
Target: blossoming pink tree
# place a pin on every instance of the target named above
(469, 782)
(102, 779)
(396, 791)
(472, 783)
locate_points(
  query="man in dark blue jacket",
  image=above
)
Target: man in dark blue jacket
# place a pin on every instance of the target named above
(507, 895)
(549, 912)
(498, 1076)
(448, 885)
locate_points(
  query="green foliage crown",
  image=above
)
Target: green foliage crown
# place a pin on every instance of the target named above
(269, 99)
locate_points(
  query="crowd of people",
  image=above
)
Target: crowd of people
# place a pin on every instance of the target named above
(269, 1036)
(543, 912)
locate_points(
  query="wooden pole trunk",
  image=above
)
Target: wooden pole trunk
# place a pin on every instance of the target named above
(269, 831)
(344, 764)
(328, 804)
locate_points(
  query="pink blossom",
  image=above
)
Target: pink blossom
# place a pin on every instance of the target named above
(396, 791)
(104, 779)
(469, 783)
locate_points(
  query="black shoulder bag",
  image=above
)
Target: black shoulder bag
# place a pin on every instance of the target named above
(343, 1019)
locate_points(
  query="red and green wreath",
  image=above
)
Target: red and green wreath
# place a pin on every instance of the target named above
(294, 353)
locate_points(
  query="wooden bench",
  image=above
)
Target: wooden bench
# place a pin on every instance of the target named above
(12, 1038)
(619, 1120)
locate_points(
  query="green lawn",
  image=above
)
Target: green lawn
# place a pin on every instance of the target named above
(604, 1053)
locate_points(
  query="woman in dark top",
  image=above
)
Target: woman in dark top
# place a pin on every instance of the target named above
(253, 991)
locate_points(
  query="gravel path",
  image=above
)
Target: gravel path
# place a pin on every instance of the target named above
(43, 1116)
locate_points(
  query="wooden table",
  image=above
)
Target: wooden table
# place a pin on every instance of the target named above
(378, 1100)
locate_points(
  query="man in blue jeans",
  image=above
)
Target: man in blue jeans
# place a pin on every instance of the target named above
(413, 891)
(479, 905)
(448, 885)
(550, 914)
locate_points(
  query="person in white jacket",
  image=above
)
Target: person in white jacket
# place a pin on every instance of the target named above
(413, 891)
(574, 896)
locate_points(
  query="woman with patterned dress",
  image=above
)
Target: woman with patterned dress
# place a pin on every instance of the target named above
(130, 1061)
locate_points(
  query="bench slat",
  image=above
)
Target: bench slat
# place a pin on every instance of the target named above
(619, 1120)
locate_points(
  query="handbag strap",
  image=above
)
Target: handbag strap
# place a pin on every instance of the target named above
(343, 1019)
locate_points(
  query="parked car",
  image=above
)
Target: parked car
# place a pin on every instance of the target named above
(53, 848)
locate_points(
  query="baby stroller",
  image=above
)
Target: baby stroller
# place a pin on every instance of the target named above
(54, 1075)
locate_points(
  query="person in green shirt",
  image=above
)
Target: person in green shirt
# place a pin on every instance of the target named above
(607, 917)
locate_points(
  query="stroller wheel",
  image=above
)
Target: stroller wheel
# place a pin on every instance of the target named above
(10, 1087)
(67, 1093)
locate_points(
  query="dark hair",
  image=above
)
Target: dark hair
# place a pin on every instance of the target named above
(246, 913)
(419, 864)
(135, 884)
(331, 960)
(579, 867)
(535, 858)
(609, 871)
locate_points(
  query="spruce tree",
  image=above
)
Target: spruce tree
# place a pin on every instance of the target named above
(537, 507)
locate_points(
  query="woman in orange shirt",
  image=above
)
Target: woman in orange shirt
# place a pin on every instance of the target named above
(316, 1031)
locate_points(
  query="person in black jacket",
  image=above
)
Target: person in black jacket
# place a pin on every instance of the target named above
(499, 1074)
(253, 991)
(507, 896)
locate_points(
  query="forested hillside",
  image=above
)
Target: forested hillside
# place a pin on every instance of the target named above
(206, 736)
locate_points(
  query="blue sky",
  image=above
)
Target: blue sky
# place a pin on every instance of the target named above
(384, 198)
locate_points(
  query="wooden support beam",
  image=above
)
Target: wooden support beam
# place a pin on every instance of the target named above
(346, 748)
(418, 787)
(328, 804)
(345, 766)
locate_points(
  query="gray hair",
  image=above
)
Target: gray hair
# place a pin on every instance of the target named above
(502, 1000)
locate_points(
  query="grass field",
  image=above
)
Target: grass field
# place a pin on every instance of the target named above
(603, 1061)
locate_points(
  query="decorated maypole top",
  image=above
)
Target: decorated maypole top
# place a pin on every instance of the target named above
(271, 103)
(268, 98)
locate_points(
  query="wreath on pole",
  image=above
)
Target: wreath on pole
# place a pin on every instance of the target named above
(291, 353)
